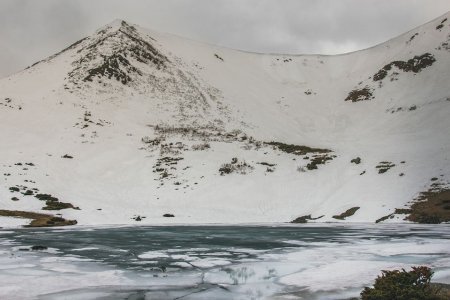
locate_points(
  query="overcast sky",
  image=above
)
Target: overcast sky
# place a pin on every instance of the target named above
(34, 29)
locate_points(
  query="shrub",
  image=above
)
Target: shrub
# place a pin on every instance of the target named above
(53, 205)
(234, 166)
(226, 169)
(360, 95)
(356, 160)
(218, 57)
(266, 164)
(201, 147)
(297, 149)
(384, 166)
(318, 160)
(153, 142)
(301, 169)
(402, 285)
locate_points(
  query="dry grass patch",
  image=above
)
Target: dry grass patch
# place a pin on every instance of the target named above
(37, 219)
(348, 213)
(431, 207)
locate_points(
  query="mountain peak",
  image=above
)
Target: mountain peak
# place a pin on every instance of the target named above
(117, 51)
(113, 26)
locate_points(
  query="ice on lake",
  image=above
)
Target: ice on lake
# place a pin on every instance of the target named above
(214, 262)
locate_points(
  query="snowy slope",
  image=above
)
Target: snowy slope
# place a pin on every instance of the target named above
(149, 119)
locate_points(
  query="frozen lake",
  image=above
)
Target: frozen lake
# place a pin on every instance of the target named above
(329, 261)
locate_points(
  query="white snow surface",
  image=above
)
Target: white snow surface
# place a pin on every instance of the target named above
(50, 110)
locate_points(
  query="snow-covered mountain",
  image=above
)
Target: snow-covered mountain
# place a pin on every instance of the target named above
(134, 126)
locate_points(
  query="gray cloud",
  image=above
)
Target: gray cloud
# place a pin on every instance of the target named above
(33, 29)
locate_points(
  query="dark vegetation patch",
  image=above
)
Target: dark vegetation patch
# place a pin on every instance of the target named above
(53, 203)
(67, 156)
(356, 160)
(431, 207)
(360, 95)
(56, 205)
(270, 167)
(38, 219)
(138, 218)
(397, 211)
(384, 218)
(415, 65)
(218, 57)
(168, 215)
(9, 103)
(164, 164)
(413, 36)
(86, 121)
(439, 27)
(319, 156)
(319, 160)
(22, 189)
(235, 167)
(401, 109)
(384, 166)
(28, 193)
(304, 219)
(404, 285)
(349, 212)
(201, 146)
(296, 149)
(266, 164)
(151, 142)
